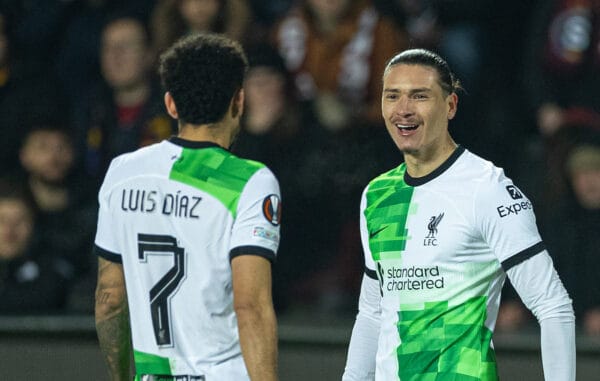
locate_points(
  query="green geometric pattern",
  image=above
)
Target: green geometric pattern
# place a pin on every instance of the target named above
(388, 207)
(146, 363)
(215, 171)
(441, 343)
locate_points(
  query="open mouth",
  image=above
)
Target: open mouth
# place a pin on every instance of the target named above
(407, 127)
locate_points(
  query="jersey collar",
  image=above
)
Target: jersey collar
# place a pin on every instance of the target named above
(416, 181)
(192, 143)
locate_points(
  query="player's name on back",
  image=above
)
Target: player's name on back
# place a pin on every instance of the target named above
(175, 204)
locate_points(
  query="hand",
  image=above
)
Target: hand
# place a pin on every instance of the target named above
(511, 316)
(591, 322)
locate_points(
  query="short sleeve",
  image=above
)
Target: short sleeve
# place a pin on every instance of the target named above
(105, 243)
(507, 223)
(370, 268)
(256, 229)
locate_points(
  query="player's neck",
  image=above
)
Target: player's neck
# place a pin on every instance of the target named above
(218, 133)
(424, 162)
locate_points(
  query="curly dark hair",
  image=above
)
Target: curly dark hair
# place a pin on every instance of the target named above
(203, 72)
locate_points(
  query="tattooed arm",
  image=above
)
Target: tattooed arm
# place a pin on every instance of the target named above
(112, 319)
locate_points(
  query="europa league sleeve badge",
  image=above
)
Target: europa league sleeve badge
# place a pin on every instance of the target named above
(272, 209)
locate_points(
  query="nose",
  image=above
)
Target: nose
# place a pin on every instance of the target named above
(404, 106)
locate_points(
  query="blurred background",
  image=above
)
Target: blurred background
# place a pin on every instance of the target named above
(78, 86)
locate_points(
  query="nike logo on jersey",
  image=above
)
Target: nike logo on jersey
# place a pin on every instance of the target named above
(374, 233)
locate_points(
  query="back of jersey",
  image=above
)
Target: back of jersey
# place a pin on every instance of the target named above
(174, 214)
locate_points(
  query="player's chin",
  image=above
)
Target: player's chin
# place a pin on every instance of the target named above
(405, 146)
(408, 150)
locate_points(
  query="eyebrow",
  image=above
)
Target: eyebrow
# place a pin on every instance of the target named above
(411, 91)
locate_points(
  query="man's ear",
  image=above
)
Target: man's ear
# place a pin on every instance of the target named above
(237, 104)
(170, 105)
(452, 102)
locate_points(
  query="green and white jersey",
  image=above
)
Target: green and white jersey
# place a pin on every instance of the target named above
(174, 214)
(439, 246)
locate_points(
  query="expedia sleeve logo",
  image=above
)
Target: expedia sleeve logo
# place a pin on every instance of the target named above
(271, 208)
(517, 207)
(514, 192)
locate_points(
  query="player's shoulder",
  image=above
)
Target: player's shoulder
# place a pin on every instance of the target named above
(153, 159)
(226, 167)
(145, 157)
(490, 181)
(392, 177)
(471, 167)
(242, 166)
(253, 174)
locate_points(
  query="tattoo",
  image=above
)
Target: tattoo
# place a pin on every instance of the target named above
(114, 338)
(102, 297)
(112, 320)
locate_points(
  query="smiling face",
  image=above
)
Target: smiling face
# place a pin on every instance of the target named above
(416, 111)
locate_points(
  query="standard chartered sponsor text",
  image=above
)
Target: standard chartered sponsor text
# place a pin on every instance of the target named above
(413, 278)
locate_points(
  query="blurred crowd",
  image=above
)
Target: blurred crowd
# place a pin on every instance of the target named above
(78, 86)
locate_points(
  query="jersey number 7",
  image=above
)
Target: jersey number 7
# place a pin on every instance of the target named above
(152, 244)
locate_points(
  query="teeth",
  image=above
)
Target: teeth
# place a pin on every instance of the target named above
(406, 126)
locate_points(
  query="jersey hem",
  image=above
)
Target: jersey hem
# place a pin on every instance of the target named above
(523, 256)
(108, 255)
(252, 250)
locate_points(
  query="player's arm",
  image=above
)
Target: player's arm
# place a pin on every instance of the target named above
(360, 363)
(541, 290)
(257, 324)
(530, 270)
(112, 319)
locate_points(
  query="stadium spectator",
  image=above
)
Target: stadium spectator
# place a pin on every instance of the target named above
(25, 95)
(336, 51)
(319, 267)
(572, 233)
(560, 82)
(66, 207)
(30, 282)
(563, 63)
(77, 54)
(125, 111)
(570, 230)
(173, 19)
(282, 133)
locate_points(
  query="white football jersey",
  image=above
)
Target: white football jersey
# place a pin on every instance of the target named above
(174, 214)
(439, 246)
